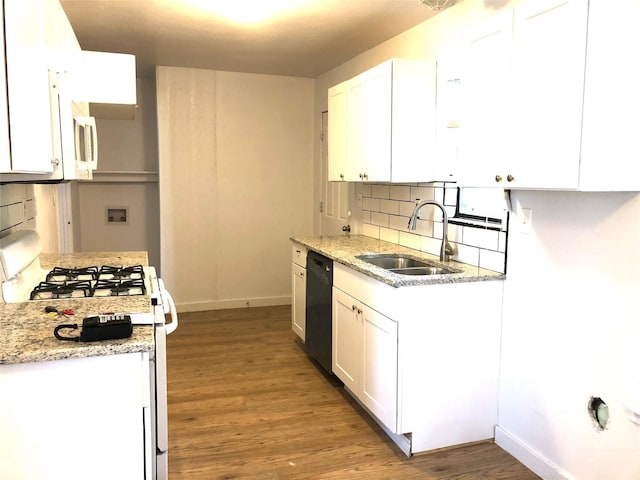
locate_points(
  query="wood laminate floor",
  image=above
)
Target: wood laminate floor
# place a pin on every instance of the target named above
(245, 402)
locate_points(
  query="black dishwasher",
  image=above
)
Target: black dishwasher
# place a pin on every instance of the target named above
(318, 314)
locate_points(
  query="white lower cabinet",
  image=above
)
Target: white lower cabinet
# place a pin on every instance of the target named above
(422, 360)
(75, 418)
(365, 355)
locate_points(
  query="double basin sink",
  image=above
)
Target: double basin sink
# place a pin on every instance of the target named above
(405, 265)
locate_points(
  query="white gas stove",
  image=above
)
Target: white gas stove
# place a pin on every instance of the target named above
(24, 280)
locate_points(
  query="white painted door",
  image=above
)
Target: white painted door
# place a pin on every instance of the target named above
(347, 340)
(380, 366)
(334, 205)
(549, 48)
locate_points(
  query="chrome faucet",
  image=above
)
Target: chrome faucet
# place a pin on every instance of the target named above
(446, 250)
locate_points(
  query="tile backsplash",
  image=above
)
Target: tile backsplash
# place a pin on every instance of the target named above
(17, 207)
(386, 209)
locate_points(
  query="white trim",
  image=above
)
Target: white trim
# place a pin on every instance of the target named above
(184, 307)
(532, 459)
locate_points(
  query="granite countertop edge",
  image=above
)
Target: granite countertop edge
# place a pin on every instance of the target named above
(345, 249)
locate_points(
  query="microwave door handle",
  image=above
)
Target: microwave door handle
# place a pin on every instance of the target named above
(79, 156)
(93, 144)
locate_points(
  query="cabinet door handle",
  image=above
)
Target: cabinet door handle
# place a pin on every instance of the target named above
(353, 308)
(365, 176)
(301, 275)
(498, 178)
(341, 176)
(510, 178)
(359, 311)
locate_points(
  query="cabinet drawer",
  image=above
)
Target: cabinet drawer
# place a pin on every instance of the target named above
(299, 255)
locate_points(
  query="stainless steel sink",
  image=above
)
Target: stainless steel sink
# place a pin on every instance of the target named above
(405, 265)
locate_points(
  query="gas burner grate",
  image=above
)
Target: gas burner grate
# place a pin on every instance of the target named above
(67, 289)
(59, 274)
(117, 287)
(108, 272)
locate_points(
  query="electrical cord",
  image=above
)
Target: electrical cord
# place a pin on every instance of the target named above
(73, 326)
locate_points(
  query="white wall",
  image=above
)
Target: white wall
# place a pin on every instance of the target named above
(235, 184)
(571, 301)
(571, 331)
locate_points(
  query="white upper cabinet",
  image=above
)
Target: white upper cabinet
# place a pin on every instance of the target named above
(382, 124)
(547, 101)
(484, 91)
(549, 45)
(28, 88)
(611, 122)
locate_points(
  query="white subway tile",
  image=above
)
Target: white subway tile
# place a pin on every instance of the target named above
(379, 191)
(430, 245)
(366, 217)
(406, 208)
(400, 192)
(398, 222)
(451, 196)
(366, 189)
(424, 227)
(492, 260)
(410, 240)
(371, 231)
(389, 235)
(422, 193)
(454, 233)
(389, 206)
(479, 237)
(467, 254)
(438, 228)
(438, 194)
(371, 204)
(380, 219)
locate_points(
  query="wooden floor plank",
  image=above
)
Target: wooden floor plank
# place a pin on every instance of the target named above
(245, 402)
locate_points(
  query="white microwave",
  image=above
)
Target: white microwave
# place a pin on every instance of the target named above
(78, 135)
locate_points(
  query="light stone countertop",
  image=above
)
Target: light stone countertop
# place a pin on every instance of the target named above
(26, 331)
(345, 249)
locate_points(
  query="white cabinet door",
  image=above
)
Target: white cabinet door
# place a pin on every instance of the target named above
(549, 48)
(413, 128)
(298, 300)
(380, 366)
(374, 134)
(75, 419)
(337, 133)
(356, 129)
(28, 90)
(484, 116)
(347, 340)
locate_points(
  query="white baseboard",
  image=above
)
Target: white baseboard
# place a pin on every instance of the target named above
(233, 303)
(532, 459)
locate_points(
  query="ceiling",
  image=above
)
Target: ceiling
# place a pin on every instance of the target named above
(308, 39)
